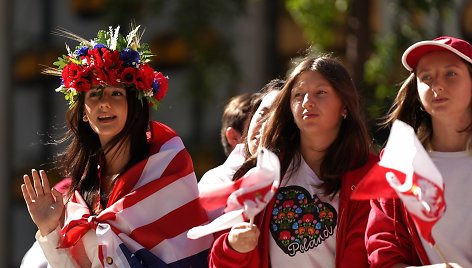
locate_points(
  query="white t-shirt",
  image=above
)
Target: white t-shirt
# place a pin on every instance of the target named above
(453, 231)
(222, 174)
(303, 224)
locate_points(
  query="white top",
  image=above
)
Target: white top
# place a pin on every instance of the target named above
(303, 225)
(453, 231)
(225, 172)
(222, 174)
(62, 258)
(34, 258)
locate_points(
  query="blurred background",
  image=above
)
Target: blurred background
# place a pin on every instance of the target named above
(211, 50)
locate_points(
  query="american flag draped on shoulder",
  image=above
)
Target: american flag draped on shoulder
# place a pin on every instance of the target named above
(406, 171)
(150, 209)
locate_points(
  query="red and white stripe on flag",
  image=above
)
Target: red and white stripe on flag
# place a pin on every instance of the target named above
(243, 198)
(150, 209)
(406, 171)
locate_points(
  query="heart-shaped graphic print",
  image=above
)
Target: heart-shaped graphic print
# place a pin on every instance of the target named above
(300, 222)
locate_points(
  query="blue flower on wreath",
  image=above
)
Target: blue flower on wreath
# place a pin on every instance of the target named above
(82, 51)
(130, 57)
(155, 87)
(99, 46)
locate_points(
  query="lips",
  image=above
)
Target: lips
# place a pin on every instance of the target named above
(309, 115)
(439, 100)
(106, 118)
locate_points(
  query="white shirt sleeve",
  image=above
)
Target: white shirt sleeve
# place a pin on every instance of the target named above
(34, 258)
(56, 257)
(62, 258)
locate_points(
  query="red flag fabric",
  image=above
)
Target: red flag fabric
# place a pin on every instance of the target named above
(243, 198)
(423, 199)
(406, 171)
(373, 185)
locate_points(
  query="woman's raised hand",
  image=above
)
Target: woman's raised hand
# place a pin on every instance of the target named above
(45, 205)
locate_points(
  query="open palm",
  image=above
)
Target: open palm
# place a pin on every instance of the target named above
(44, 205)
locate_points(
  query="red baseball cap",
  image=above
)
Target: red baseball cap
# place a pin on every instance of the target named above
(413, 54)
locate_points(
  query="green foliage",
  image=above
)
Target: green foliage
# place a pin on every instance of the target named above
(145, 52)
(202, 24)
(322, 20)
(61, 62)
(382, 71)
(69, 95)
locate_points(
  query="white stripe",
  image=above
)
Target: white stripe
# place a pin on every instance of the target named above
(158, 162)
(181, 247)
(223, 222)
(131, 244)
(156, 205)
(110, 245)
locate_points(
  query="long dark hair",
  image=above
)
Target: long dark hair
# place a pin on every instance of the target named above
(84, 152)
(281, 135)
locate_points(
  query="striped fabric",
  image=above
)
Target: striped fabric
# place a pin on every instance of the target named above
(243, 198)
(150, 210)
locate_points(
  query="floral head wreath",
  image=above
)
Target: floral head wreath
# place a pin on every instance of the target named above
(109, 60)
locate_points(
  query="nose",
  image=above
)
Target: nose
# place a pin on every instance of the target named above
(437, 85)
(307, 101)
(104, 101)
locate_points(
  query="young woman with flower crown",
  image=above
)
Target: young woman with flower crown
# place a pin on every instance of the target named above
(436, 100)
(133, 193)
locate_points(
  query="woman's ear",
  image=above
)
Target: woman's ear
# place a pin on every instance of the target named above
(85, 118)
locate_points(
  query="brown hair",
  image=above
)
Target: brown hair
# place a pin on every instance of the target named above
(282, 136)
(235, 115)
(408, 108)
(274, 84)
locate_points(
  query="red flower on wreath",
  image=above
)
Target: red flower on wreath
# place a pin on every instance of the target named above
(111, 60)
(163, 83)
(81, 85)
(144, 77)
(70, 73)
(128, 76)
(108, 61)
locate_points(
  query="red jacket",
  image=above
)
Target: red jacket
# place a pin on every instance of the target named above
(391, 236)
(350, 245)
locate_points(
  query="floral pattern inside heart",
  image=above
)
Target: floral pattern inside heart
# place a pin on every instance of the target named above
(300, 222)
